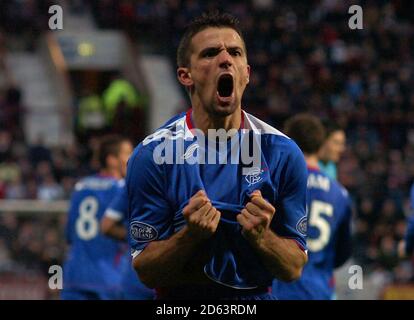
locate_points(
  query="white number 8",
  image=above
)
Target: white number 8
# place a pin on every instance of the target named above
(316, 220)
(87, 224)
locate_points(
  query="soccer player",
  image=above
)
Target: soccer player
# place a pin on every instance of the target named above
(114, 224)
(406, 246)
(329, 214)
(93, 266)
(332, 149)
(216, 229)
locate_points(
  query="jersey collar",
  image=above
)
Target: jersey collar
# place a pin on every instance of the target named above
(189, 119)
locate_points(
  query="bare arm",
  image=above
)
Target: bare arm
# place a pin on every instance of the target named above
(281, 256)
(113, 229)
(176, 261)
(165, 263)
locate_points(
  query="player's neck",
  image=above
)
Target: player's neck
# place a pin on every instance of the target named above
(204, 121)
(312, 160)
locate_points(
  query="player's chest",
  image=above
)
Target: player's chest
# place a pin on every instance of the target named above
(228, 185)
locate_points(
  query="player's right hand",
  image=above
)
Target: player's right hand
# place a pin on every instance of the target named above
(202, 218)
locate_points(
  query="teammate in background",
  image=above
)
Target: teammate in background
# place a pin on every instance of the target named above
(114, 224)
(214, 229)
(406, 246)
(329, 214)
(93, 266)
(332, 149)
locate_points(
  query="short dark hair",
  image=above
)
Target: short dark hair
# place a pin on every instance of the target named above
(109, 145)
(206, 20)
(307, 131)
(331, 126)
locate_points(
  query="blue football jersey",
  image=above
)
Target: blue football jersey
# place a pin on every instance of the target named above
(94, 261)
(160, 186)
(131, 287)
(409, 235)
(329, 240)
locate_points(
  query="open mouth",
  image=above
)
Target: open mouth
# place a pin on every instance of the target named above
(225, 85)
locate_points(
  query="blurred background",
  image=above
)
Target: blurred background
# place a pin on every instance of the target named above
(112, 69)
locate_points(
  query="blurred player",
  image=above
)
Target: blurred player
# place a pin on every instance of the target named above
(115, 225)
(216, 230)
(332, 149)
(406, 246)
(93, 266)
(329, 214)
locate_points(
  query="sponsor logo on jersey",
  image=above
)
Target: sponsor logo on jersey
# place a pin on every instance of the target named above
(142, 232)
(302, 225)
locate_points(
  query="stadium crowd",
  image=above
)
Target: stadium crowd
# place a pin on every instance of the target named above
(304, 57)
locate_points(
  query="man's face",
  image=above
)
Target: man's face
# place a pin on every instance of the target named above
(334, 146)
(124, 154)
(218, 71)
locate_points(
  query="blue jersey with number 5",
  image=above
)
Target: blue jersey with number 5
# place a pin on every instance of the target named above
(329, 240)
(409, 235)
(94, 260)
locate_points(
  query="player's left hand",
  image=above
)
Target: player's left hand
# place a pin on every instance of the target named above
(256, 216)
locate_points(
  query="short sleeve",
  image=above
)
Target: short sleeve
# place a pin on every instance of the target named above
(118, 208)
(71, 217)
(150, 214)
(291, 217)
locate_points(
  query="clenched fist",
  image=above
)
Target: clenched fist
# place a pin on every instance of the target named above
(202, 218)
(256, 216)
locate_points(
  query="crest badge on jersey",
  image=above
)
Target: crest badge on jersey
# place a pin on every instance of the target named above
(142, 232)
(302, 225)
(254, 176)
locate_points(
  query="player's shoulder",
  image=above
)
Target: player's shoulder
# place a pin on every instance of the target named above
(272, 137)
(96, 183)
(341, 189)
(259, 126)
(172, 130)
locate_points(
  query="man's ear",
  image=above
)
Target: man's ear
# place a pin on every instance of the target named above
(248, 74)
(184, 76)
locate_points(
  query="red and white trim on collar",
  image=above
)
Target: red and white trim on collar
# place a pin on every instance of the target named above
(190, 125)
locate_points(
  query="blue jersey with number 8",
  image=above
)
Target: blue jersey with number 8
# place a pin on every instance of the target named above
(94, 261)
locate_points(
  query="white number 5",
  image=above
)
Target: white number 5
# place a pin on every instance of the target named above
(318, 208)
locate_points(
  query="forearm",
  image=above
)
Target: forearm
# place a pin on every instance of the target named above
(117, 232)
(172, 262)
(281, 256)
(113, 229)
